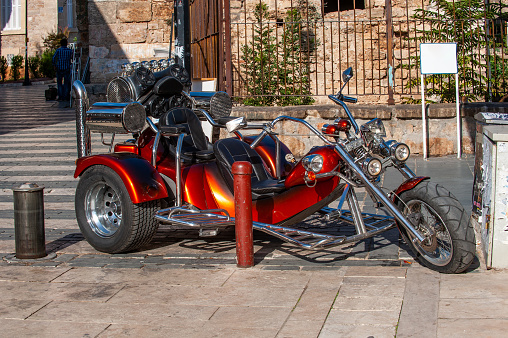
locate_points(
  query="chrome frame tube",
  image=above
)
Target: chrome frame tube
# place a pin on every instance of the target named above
(406, 171)
(379, 193)
(179, 143)
(155, 148)
(84, 143)
(155, 142)
(354, 208)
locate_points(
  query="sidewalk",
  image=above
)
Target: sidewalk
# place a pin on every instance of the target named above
(183, 285)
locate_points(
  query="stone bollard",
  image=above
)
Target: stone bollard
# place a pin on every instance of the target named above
(29, 221)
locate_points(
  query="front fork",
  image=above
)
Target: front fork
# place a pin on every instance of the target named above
(374, 189)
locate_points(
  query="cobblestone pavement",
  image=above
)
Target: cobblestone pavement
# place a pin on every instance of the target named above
(183, 285)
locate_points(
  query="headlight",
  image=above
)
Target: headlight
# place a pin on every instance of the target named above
(313, 163)
(135, 65)
(374, 126)
(399, 152)
(372, 166)
(145, 64)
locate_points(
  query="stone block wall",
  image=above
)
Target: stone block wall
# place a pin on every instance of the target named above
(402, 122)
(125, 31)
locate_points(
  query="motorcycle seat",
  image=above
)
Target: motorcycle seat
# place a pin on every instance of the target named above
(228, 151)
(195, 146)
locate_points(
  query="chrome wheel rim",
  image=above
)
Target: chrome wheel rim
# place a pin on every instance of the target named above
(438, 246)
(103, 210)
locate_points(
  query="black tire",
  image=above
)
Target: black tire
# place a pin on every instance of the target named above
(450, 241)
(108, 219)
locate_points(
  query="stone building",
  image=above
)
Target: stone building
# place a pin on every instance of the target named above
(121, 32)
(35, 20)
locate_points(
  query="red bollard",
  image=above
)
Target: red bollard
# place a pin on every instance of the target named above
(243, 214)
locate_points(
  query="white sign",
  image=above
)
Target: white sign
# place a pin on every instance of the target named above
(438, 58)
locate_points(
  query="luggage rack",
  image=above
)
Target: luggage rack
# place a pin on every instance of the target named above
(215, 218)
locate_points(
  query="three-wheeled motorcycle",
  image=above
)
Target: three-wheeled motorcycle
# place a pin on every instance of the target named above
(170, 172)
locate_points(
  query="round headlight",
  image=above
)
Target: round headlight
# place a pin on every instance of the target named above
(135, 65)
(145, 64)
(154, 64)
(372, 166)
(313, 163)
(400, 152)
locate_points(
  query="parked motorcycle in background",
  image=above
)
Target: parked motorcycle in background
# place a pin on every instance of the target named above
(171, 173)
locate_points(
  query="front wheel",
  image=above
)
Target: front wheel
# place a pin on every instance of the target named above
(449, 244)
(108, 219)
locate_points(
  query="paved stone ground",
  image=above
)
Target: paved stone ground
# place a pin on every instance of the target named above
(183, 285)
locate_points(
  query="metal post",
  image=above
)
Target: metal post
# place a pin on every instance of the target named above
(26, 82)
(29, 221)
(183, 38)
(243, 214)
(389, 49)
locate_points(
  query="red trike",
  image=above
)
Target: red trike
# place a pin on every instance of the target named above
(171, 173)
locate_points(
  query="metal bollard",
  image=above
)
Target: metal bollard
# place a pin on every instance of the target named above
(29, 221)
(243, 214)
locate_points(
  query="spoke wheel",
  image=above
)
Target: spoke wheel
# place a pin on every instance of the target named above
(449, 244)
(437, 248)
(106, 216)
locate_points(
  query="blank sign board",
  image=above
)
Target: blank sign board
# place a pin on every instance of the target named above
(438, 58)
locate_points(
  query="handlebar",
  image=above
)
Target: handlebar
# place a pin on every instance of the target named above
(339, 99)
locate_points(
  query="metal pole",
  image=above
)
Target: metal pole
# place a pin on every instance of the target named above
(227, 33)
(26, 82)
(183, 36)
(459, 139)
(389, 49)
(243, 214)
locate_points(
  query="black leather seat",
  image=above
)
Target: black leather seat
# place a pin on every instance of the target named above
(195, 147)
(228, 151)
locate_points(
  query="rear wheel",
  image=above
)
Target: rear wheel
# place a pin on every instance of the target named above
(108, 219)
(449, 244)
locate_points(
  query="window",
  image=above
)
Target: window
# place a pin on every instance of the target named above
(70, 14)
(330, 6)
(11, 14)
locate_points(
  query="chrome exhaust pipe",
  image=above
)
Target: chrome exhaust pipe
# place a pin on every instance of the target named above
(82, 132)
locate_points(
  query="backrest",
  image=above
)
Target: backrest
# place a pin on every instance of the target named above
(228, 151)
(185, 117)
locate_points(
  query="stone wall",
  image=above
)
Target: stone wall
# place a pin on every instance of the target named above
(402, 122)
(42, 20)
(121, 32)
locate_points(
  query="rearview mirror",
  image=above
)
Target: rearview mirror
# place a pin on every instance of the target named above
(236, 124)
(347, 74)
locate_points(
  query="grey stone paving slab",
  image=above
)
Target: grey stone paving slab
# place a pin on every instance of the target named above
(472, 328)
(142, 314)
(30, 274)
(354, 331)
(250, 317)
(418, 317)
(261, 296)
(473, 308)
(49, 329)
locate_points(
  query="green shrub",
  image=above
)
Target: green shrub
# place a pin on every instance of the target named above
(3, 67)
(17, 63)
(52, 41)
(46, 66)
(33, 64)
